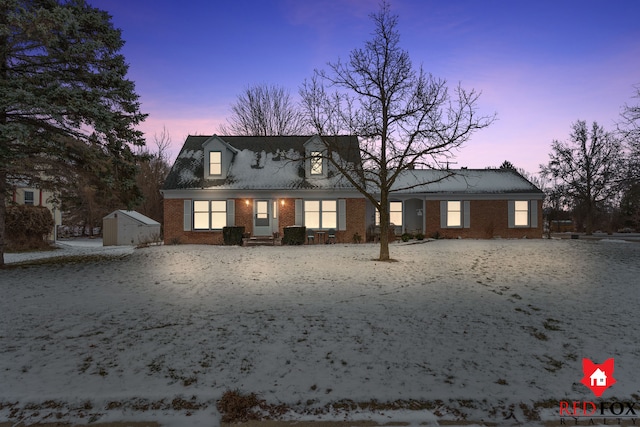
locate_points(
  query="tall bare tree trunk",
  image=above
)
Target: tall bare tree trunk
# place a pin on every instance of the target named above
(384, 237)
(3, 213)
(3, 143)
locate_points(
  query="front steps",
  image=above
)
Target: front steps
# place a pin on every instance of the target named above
(261, 241)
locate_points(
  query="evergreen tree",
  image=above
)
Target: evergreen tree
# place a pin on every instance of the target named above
(66, 106)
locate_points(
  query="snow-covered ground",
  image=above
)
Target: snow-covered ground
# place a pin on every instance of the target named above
(455, 328)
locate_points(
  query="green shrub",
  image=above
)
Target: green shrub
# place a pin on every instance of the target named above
(294, 235)
(357, 238)
(406, 237)
(232, 235)
(420, 236)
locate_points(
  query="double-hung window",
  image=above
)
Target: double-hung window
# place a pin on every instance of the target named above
(209, 214)
(454, 214)
(395, 214)
(320, 213)
(215, 163)
(28, 198)
(521, 213)
(316, 163)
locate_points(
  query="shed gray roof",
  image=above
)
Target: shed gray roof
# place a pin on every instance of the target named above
(276, 171)
(134, 215)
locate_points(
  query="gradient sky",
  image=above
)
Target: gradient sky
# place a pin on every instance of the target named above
(540, 64)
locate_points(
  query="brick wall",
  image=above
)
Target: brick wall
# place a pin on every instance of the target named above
(173, 213)
(244, 215)
(174, 221)
(174, 227)
(488, 219)
(287, 214)
(356, 221)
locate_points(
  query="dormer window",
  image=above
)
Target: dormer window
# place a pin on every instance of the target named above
(215, 163)
(316, 163)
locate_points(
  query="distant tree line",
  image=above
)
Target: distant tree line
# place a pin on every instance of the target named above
(593, 178)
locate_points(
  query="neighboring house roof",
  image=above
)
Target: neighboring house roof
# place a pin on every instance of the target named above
(135, 216)
(272, 169)
(463, 181)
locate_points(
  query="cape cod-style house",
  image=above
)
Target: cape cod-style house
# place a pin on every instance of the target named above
(268, 183)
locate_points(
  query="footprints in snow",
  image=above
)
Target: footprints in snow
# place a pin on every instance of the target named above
(482, 266)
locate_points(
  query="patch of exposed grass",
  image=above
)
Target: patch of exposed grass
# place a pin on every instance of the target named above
(64, 260)
(236, 407)
(551, 364)
(536, 333)
(552, 325)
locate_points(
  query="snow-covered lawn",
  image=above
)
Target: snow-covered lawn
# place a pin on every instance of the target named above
(454, 329)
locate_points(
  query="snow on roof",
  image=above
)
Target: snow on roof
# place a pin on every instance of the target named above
(475, 181)
(258, 163)
(263, 170)
(136, 216)
(276, 163)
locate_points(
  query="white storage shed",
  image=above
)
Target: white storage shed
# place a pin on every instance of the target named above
(122, 228)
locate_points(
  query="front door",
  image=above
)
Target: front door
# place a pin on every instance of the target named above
(262, 217)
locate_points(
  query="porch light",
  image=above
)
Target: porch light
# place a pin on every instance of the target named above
(246, 202)
(281, 202)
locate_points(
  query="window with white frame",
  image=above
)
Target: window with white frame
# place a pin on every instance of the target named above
(454, 214)
(209, 214)
(395, 214)
(29, 198)
(321, 214)
(316, 163)
(521, 213)
(215, 163)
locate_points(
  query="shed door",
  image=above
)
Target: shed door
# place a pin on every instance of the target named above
(110, 231)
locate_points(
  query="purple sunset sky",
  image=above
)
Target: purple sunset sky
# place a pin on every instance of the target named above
(540, 65)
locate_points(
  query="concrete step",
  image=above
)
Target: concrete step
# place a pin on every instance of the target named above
(261, 241)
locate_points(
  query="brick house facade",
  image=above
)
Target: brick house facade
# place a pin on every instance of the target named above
(266, 184)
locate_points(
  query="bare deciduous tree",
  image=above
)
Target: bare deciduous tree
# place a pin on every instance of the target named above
(587, 168)
(263, 110)
(630, 125)
(152, 173)
(629, 129)
(405, 118)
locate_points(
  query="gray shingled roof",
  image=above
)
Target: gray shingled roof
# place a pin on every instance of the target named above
(188, 169)
(276, 172)
(464, 181)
